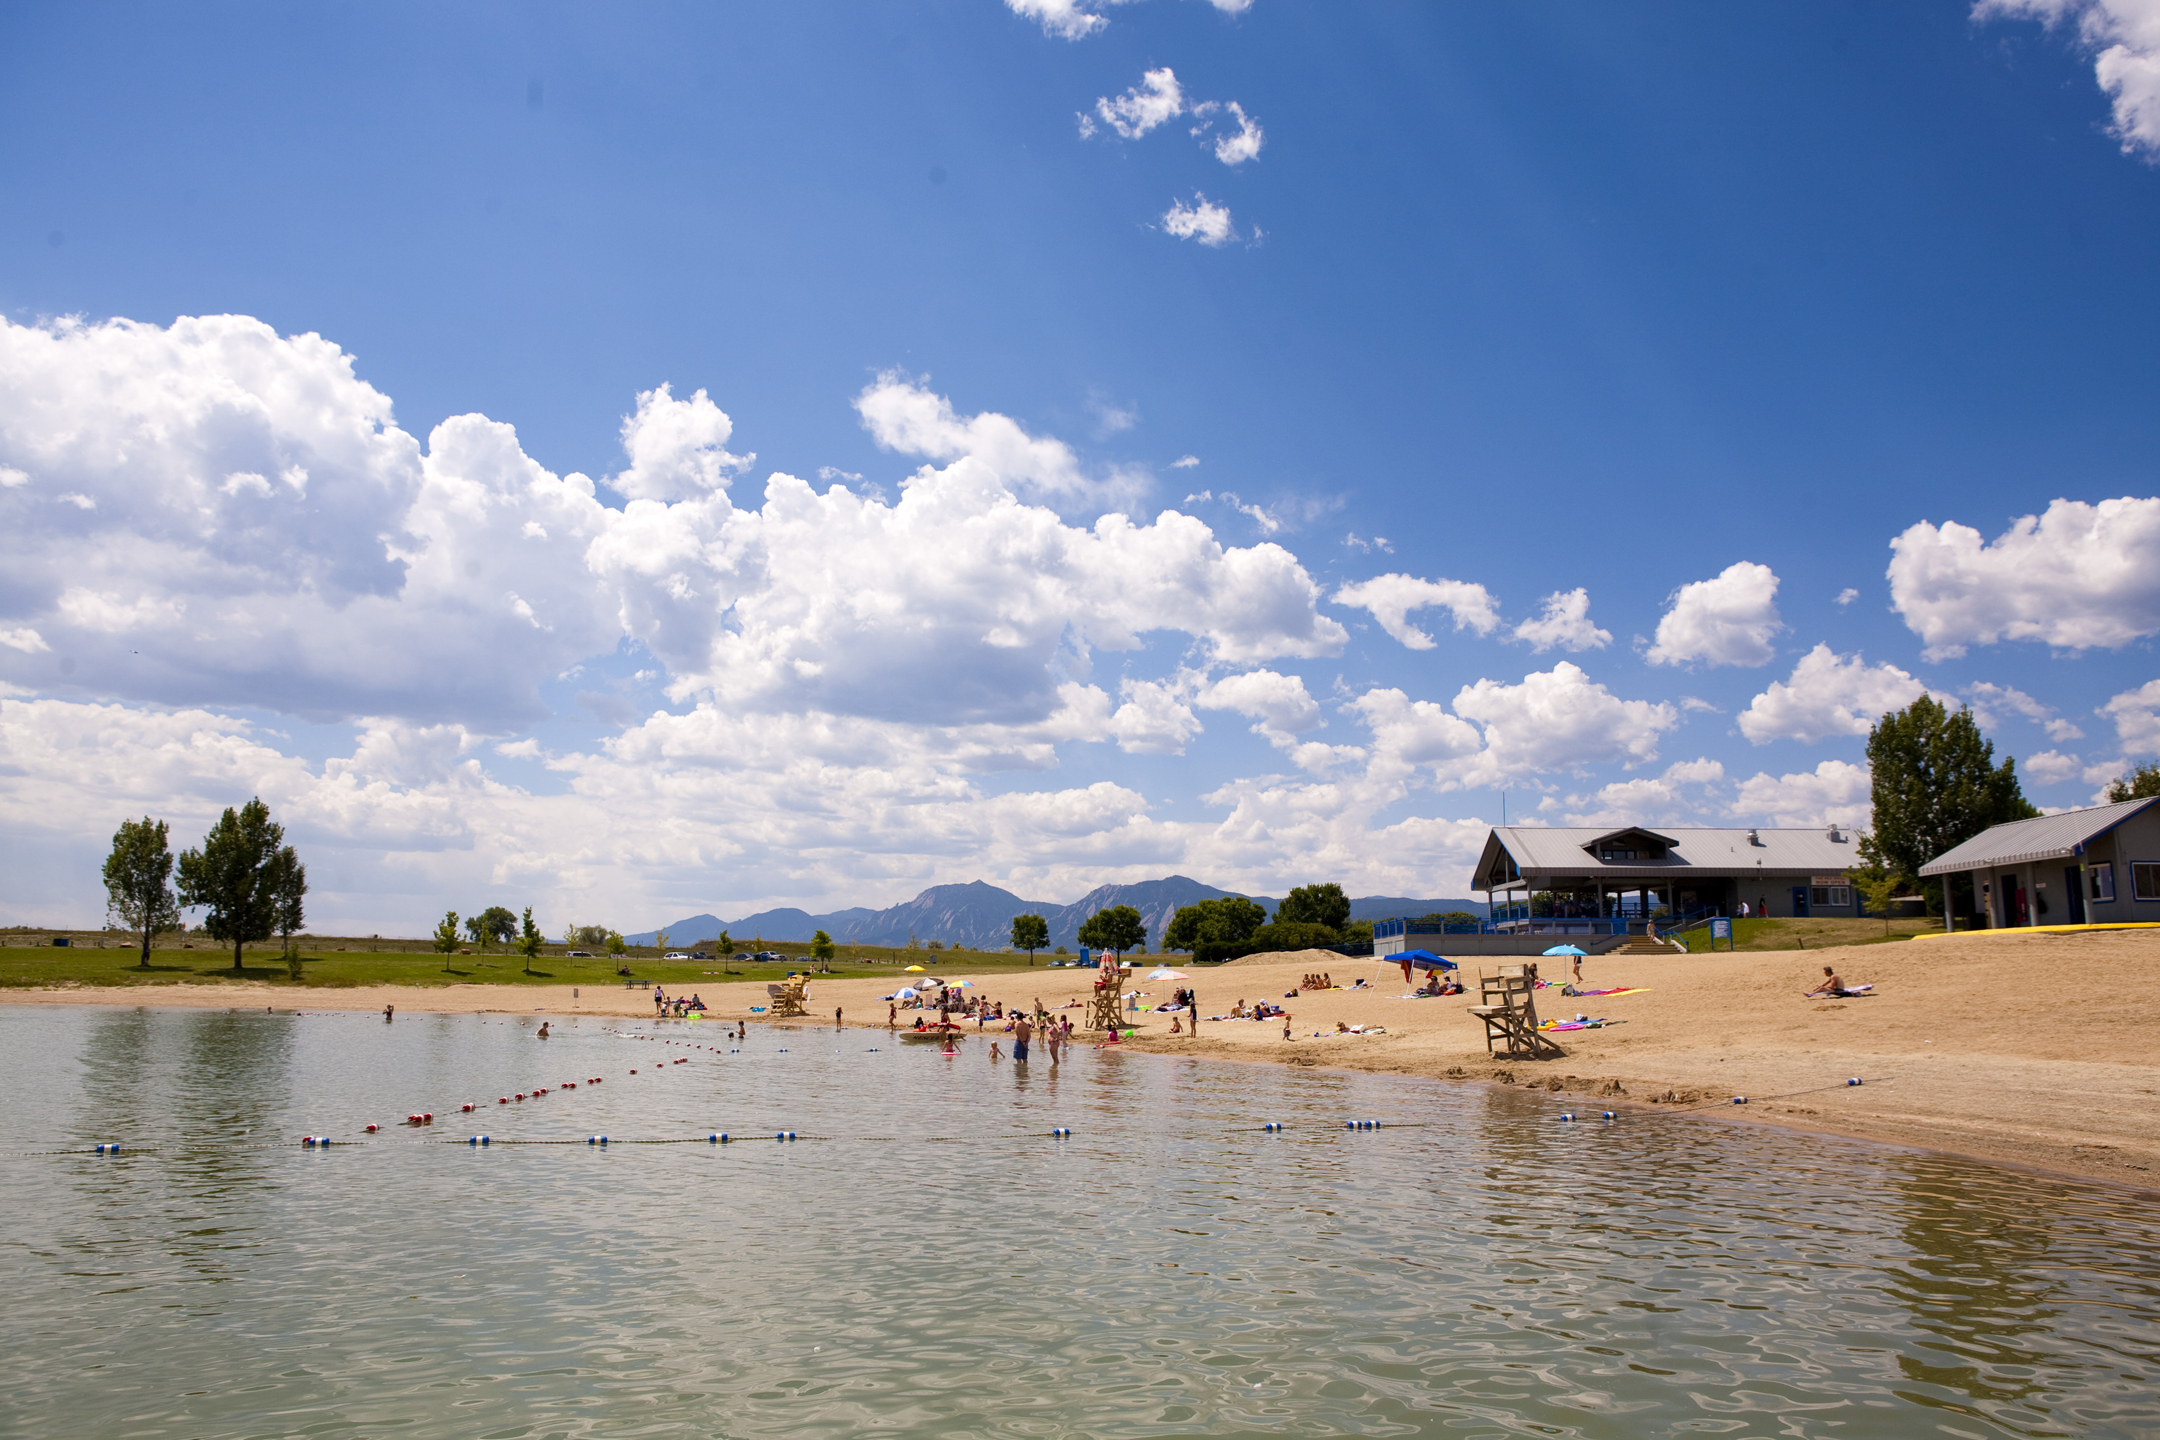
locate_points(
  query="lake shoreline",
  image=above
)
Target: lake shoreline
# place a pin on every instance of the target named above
(1952, 1057)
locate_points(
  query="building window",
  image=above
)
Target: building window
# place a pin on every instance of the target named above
(2100, 882)
(2145, 881)
(1831, 895)
(1618, 855)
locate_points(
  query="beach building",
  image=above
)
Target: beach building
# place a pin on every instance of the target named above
(1539, 877)
(2080, 867)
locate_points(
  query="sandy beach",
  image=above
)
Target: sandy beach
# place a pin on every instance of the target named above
(2037, 1050)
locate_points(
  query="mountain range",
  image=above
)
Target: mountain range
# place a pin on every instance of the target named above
(980, 915)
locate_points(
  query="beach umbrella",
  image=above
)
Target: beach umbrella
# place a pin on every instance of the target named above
(906, 992)
(1426, 960)
(1164, 972)
(1566, 950)
(915, 969)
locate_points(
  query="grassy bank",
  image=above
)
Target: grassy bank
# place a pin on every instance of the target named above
(348, 964)
(1810, 934)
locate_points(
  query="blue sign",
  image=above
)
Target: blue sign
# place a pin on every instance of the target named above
(1721, 929)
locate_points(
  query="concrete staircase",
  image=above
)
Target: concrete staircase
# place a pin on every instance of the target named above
(1644, 945)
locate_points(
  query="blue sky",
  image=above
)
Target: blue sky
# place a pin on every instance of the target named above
(1508, 302)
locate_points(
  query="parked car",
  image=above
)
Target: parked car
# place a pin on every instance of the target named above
(580, 955)
(678, 955)
(700, 955)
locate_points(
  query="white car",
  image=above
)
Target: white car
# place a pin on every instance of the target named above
(677, 955)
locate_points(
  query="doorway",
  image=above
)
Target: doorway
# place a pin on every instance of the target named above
(2074, 887)
(2013, 900)
(1799, 901)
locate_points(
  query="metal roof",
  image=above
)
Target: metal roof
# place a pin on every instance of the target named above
(2049, 837)
(1540, 850)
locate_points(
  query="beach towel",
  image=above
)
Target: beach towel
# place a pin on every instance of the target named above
(1597, 1024)
(1618, 990)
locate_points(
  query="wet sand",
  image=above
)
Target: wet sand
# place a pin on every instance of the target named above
(2036, 1050)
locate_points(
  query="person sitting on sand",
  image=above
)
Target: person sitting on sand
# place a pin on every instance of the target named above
(1453, 986)
(1833, 985)
(1175, 1027)
(1341, 1028)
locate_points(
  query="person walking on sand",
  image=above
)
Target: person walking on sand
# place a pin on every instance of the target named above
(892, 1016)
(836, 1017)
(1022, 1029)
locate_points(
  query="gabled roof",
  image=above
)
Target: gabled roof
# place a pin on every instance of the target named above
(2049, 837)
(1631, 833)
(1541, 850)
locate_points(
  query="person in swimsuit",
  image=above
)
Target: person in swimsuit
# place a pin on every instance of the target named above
(1021, 1031)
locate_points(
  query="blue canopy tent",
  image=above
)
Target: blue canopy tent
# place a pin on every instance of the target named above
(1424, 960)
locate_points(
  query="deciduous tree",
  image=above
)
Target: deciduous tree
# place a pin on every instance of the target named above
(446, 936)
(1226, 920)
(2142, 783)
(1117, 929)
(288, 888)
(821, 948)
(529, 939)
(1935, 786)
(1315, 905)
(233, 876)
(138, 881)
(1030, 933)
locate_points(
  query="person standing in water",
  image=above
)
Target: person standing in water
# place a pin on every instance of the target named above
(1022, 1029)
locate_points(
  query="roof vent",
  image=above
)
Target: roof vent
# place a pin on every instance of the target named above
(1753, 838)
(1836, 836)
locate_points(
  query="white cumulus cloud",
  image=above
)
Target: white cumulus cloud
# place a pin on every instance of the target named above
(1565, 622)
(677, 448)
(1729, 619)
(1064, 19)
(1156, 100)
(1828, 694)
(2125, 38)
(1278, 705)
(2136, 714)
(1244, 143)
(2049, 766)
(1681, 793)
(1990, 701)
(1559, 719)
(2077, 577)
(1203, 220)
(1836, 792)
(1393, 598)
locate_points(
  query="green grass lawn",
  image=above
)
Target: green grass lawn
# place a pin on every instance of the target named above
(82, 964)
(1811, 934)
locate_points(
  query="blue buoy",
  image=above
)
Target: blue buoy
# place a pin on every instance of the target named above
(1854, 1081)
(1272, 1125)
(483, 1140)
(603, 1139)
(1739, 1099)
(1062, 1131)
(472, 1139)
(1609, 1115)
(1570, 1115)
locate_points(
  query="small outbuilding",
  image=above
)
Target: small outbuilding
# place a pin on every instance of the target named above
(2080, 867)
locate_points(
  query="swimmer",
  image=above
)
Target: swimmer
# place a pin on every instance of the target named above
(543, 1029)
(387, 1012)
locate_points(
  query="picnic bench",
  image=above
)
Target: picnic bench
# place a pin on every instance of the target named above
(1508, 1007)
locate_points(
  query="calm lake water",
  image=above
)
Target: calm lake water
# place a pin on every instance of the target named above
(926, 1260)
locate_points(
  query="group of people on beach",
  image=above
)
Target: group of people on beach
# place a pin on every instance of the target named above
(1322, 981)
(677, 1007)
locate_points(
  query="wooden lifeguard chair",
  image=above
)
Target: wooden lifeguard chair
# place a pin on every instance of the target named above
(1109, 994)
(1508, 1006)
(787, 997)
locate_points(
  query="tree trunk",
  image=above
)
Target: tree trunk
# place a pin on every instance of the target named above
(237, 945)
(146, 947)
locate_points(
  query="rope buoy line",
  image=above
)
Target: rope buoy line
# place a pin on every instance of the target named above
(1845, 1084)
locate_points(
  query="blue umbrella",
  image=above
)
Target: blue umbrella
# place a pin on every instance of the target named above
(1423, 960)
(1566, 950)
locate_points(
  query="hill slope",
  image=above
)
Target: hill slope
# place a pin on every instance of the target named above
(980, 915)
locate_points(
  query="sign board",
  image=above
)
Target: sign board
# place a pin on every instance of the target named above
(1829, 880)
(1721, 929)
